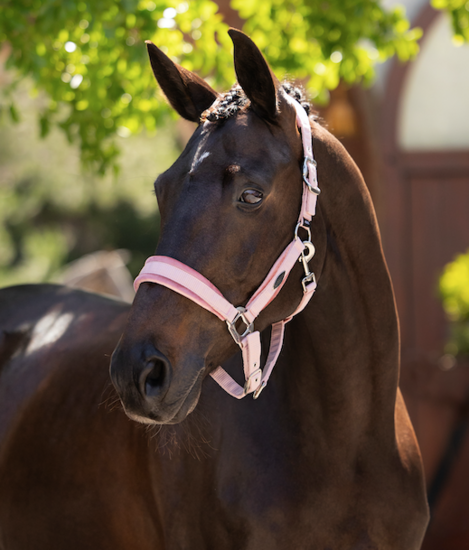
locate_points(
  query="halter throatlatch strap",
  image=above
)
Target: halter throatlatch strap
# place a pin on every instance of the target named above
(186, 281)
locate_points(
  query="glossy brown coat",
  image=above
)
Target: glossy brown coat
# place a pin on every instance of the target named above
(325, 459)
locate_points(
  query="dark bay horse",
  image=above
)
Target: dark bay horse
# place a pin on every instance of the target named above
(324, 459)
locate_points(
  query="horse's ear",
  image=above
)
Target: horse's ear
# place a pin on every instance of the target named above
(188, 94)
(254, 75)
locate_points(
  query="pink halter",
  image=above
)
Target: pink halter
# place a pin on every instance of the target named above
(186, 281)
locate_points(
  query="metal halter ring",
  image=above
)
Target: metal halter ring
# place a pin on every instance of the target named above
(305, 227)
(237, 337)
(313, 188)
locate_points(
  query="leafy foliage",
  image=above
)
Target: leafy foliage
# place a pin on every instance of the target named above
(458, 11)
(325, 41)
(52, 212)
(90, 58)
(454, 290)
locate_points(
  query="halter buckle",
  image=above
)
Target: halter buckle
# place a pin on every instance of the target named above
(237, 337)
(313, 188)
(256, 375)
(256, 394)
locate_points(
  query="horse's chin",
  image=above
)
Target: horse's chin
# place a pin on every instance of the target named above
(171, 414)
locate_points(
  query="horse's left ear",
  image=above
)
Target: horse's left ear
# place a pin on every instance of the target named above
(188, 94)
(254, 75)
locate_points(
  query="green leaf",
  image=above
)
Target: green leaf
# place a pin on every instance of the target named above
(454, 291)
(14, 113)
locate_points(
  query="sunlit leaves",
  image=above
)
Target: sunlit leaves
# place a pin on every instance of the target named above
(454, 290)
(459, 14)
(325, 41)
(90, 59)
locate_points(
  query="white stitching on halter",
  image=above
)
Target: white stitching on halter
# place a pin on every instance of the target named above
(186, 281)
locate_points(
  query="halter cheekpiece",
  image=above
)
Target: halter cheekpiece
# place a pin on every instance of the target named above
(189, 283)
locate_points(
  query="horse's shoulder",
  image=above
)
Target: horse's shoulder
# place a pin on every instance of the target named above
(58, 408)
(54, 340)
(27, 309)
(41, 320)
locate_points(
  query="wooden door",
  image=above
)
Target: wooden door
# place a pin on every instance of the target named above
(436, 388)
(424, 214)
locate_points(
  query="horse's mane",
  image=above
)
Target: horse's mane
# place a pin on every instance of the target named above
(235, 100)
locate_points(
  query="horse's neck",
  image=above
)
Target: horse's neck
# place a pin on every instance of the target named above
(345, 344)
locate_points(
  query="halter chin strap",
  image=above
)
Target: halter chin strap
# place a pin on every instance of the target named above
(186, 281)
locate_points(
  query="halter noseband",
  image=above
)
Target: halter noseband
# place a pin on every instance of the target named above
(186, 281)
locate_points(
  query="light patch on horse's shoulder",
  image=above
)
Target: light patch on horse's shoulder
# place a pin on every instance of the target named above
(49, 329)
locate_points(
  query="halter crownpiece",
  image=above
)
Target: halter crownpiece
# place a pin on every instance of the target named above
(186, 281)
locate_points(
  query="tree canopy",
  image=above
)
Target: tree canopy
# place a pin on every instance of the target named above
(89, 56)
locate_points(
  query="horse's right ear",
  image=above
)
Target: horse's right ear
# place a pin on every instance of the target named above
(254, 75)
(188, 94)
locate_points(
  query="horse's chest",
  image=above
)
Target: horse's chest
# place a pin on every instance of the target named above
(271, 508)
(260, 488)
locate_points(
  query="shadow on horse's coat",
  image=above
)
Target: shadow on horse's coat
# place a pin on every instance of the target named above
(326, 458)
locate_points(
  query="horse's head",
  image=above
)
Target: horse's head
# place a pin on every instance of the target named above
(229, 206)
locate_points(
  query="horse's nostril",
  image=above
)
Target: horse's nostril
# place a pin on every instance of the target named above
(155, 377)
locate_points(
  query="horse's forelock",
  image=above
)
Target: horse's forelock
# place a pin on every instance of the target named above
(235, 100)
(226, 105)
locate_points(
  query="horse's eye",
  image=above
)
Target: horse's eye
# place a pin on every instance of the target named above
(251, 196)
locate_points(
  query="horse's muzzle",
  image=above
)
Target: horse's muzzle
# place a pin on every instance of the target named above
(143, 378)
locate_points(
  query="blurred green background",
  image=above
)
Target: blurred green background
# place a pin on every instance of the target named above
(54, 211)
